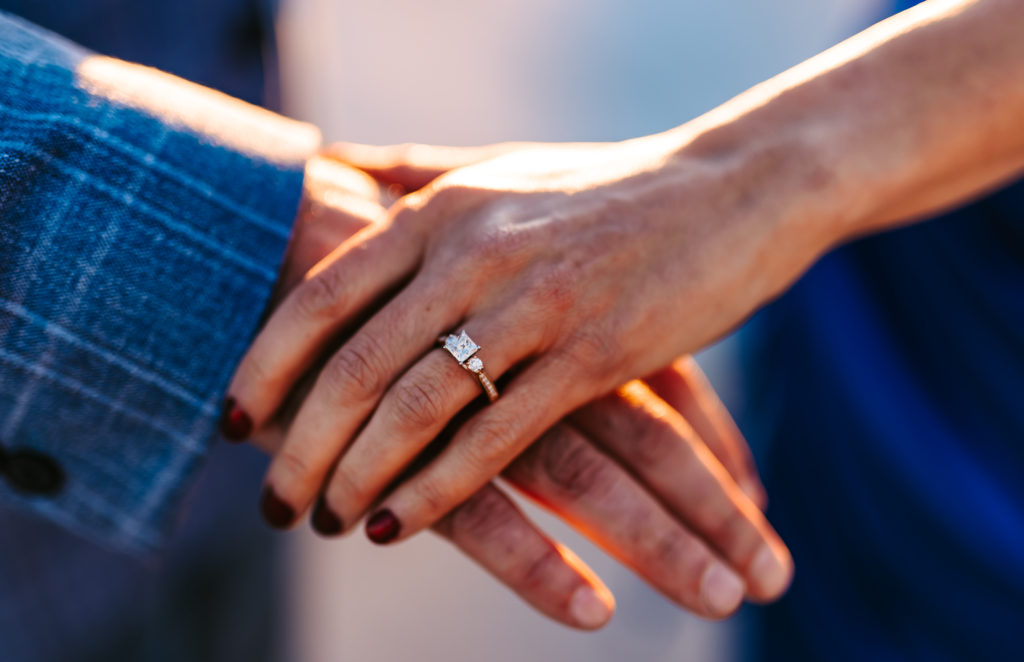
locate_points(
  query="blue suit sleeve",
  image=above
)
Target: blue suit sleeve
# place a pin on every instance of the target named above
(137, 252)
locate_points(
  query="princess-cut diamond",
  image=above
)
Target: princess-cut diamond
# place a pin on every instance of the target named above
(461, 346)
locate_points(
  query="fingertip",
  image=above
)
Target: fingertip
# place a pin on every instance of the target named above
(235, 424)
(771, 573)
(591, 607)
(325, 521)
(721, 590)
(276, 512)
(755, 492)
(383, 527)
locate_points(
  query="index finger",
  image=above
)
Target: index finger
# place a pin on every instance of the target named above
(492, 531)
(338, 289)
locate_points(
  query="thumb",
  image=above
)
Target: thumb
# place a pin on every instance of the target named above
(411, 165)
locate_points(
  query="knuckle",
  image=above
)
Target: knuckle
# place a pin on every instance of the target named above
(735, 535)
(666, 547)
(556, 288)
(321, 297)
(345, 493)
(539, 570)
(675, 552)
(435, 498)
(653, 441)
(595, 355)
(490, 439)
(355, 368)
(498, 243)
(572, 465)
(416, 406)
(482, 517)
(254, 371)
(293, 466)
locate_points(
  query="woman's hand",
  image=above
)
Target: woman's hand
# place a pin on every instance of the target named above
(579, 267)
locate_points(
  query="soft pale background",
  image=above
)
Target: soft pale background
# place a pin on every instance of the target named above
(453, 71)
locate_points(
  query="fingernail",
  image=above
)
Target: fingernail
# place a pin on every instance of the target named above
(383, 527)
(588, 609)
(325, 521)
(277, 513)
(770, 573)
(235, 424)
(721, 589)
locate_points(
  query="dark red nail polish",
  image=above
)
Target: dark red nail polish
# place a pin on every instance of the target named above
(325, 521)
(277, 513)
(235, 424)
(383, 527)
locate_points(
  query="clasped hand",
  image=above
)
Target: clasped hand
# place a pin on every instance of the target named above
(564, 265)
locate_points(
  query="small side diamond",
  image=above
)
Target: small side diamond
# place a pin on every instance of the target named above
(475, 364)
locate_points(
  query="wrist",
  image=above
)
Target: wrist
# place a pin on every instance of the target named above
(776, 196)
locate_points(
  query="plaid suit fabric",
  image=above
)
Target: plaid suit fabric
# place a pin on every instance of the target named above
(136, 258)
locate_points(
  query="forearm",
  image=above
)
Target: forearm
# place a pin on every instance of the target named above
(918, 113)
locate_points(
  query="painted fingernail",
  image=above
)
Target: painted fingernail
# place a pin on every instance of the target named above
(383, 527)
(588, 609)
(235, 424)
(721, 589)
(770, 572)
(325, 521)
(277, 513)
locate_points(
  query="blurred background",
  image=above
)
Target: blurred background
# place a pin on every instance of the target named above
(451, 71)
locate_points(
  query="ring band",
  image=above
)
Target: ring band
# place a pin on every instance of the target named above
(463, 350)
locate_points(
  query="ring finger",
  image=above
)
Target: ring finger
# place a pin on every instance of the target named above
(413, 412)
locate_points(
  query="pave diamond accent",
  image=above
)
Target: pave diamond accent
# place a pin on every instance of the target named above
(475, 364)
(461, 346)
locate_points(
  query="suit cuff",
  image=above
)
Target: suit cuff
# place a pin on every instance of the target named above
(148, 224)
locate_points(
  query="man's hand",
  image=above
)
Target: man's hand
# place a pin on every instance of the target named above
(641, 472)
(337, 202)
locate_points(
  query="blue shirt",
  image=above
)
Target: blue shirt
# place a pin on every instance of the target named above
(886, 391)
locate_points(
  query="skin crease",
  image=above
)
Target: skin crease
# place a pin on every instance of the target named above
(674, 420)
(586, 266)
